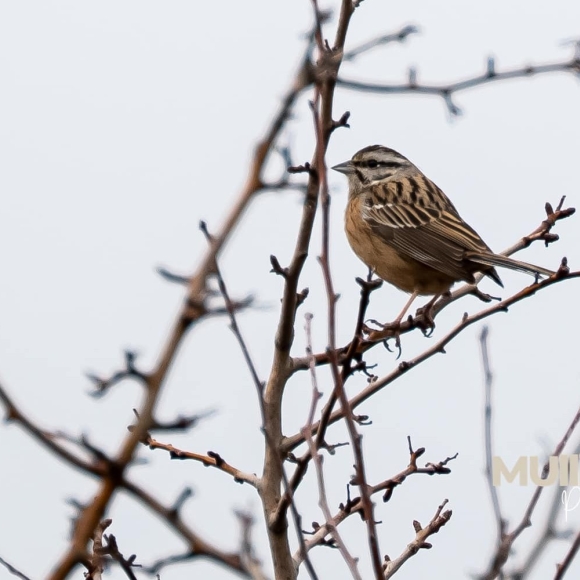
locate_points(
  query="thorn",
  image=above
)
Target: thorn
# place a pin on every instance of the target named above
(306, 168)
(453, 109)
(342, 122)
(276, 268)
(205, 231)
(171, 277)
(490, 66)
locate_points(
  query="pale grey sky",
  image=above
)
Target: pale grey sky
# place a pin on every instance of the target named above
(125, 123)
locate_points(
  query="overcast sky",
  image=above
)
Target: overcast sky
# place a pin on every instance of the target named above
(124, 123)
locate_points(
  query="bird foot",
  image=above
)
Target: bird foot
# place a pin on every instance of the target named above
(386, 332)
(424, 319)
(483, 296)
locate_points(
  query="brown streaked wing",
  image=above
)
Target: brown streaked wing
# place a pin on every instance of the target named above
(451, 225)
(434, 237)
(398, 215)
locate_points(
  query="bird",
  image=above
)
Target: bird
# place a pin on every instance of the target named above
(407, 231)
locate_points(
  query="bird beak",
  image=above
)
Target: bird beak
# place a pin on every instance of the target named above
(347, 167)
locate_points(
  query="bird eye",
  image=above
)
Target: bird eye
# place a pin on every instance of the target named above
(372, 163)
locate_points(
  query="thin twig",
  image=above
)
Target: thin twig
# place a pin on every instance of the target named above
(548, 533)
(446, 91)
(355, 505)
(317, 459)
(438, 348)
(212, 459)
(503, 550)
(399, 36)
(325, 73)
(562, 568)
(198, 546)
(421, 534)
(339, 392)
(367, 287)
(13, 570)
(541, 233)
(259, 384)
(247, 552)
(488, 377)
(97, 560)
(193, 311)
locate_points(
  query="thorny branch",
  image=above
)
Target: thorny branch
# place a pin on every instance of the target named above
(355, 505)
(212, 459)
(503, 550)
(325, 72)
(111, 471)
(565, 564)
(488, 377)
(13, 570)
(247, 552)
(318, 461)
(169, 515)
(548, 532)
(541, 233)
(399, 36)
(231, 309)
(447, 91)
(439, 348)
(419, 542)
(193, 311)
(107, 546)
(338, 391)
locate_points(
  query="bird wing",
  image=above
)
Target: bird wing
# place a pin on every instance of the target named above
(434, 236)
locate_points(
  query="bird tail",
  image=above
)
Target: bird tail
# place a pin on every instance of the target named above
(490, 259)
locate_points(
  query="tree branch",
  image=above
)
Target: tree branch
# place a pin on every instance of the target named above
(439, 348)
(447, 91)
(212, 459)
(504, 548)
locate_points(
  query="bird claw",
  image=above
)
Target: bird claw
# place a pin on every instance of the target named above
(397, 337)
(483, 296)
(424, 320)
(385, 332)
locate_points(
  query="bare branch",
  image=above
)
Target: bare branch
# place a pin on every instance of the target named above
(247, 552)
(339, 392)
(130, 371)
(563, 567)
(439, 348)
(172, 277)
(430, 469)
(541, 233)
(97, 561)
(447, 91)
(169, 515)
(500, 521)
(418, 543)
(548, 533)
(111, 549)
(325, 73)
(399, 36)
(504, 548)
(317, 459)
(355, 505)
(180, 423)
(212, 459)
(193, 311)
(45, 438)
(13, 570)
(198, 547)
(230, 307)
